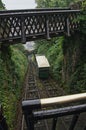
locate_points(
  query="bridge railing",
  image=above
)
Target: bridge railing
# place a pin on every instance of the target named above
(33, 113)
(27, 25)
(34, 10)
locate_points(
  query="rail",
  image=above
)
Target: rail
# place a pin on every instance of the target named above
(31, 115)
(29, 25)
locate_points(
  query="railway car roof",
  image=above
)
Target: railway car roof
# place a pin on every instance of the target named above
(42, 61)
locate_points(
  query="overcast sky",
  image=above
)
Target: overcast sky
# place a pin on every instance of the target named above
(19, 4)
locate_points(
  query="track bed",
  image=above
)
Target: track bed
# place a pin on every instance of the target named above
(36, 88)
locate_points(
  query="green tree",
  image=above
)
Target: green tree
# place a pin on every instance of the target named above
(2, 6)
(54, 3)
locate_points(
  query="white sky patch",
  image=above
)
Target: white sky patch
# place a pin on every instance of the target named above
(19, 4)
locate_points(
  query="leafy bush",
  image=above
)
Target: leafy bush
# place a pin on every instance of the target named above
(55, 57)
(18, 63)
(2, 6)
(13, 66)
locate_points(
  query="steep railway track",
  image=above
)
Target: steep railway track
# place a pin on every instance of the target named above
(36, 88)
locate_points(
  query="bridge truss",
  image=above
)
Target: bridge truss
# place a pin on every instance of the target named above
(28, 25)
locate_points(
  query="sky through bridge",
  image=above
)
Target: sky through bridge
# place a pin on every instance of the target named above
(19, 4)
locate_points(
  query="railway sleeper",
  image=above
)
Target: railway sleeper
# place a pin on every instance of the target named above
(31, 87)
(32, 91)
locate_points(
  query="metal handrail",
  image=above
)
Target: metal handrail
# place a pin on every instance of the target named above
(38, 12)
(39, 103)
(29, 106)
(36, 9)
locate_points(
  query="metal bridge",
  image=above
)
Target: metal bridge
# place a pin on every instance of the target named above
(29, 25)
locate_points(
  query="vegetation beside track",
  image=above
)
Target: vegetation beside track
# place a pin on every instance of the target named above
(13, 66)
(67, 55)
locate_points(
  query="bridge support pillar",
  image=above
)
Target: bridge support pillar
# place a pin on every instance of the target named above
(23, 31)
(68, 27)
(47, 28)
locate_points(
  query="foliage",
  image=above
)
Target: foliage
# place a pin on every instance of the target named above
(53, 51)
(82, 18)
(84, 5)
(42, 46)
(74, 49)
(77, 81)
(54, 3)
(18, 63)
(2, 6)
(13, 65)
(55, 57)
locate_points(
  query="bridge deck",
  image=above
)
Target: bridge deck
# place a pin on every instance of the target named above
(28, 25)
